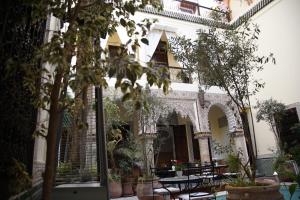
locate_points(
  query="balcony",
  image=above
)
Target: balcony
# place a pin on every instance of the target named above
(192, 7)
(176, 74)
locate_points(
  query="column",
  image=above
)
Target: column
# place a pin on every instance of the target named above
(203, 145)
(147, 141)
(240, 143)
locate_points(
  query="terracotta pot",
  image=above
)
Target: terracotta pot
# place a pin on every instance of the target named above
(115, 189)
(155, 197)
(144, 189)
(127, 186)
(263, 192)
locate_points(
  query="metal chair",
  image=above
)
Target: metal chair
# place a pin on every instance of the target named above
(166, 192)
(203, 171)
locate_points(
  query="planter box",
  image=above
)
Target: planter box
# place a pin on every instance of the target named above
(264, 192)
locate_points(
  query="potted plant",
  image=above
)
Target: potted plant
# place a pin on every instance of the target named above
(178, 167)
(114, 184)
(127, 155)
(112, 117)
(242, 188)
(145, 187)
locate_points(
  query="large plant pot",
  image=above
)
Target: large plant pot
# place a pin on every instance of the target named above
(127, 186)
(115, 189)
(145, 191)
(263, 192)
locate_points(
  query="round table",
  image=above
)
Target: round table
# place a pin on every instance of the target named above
(186, 180)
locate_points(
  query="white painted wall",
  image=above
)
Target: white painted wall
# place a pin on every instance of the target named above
(280, 34)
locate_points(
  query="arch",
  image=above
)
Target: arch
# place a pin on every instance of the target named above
(185, 109)
(225, 104)
(232, 123)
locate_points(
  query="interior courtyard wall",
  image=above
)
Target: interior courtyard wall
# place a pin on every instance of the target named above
(280, 30)
(220, 135)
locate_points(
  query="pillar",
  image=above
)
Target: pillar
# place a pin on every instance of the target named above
(240, 143)
(203, 146)
(147, 141)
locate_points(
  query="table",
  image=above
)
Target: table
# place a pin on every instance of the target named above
(220, 169)
(181, 180)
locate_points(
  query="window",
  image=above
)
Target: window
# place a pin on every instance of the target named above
(114, 51)
(160, 55)
(288, 135)
(187, 6)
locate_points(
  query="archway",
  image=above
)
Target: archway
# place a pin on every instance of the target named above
(175, 140)
(220, 136)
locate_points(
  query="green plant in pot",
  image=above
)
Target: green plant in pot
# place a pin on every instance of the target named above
(127, 155)
(115, 187)
(114, 137)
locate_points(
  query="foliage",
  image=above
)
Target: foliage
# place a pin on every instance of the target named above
(295, 152)
(152, 112)
(122, 146)
(285, 172)
(128, 154)
(114, 134)
(19, 178)
(114, 177)
(86, 21)
(221, 149)
(292, 190)
(178, 167)
(268, 111)
(64, 168)
(233, 162)
(284, 167)
(18, 40)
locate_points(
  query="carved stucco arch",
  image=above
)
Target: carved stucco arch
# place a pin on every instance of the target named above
(185, 109)
(184, 103)
(223, 102)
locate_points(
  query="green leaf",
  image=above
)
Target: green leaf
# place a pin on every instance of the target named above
(145, 41)
(292, 189)
(123, 22)
(126, 97)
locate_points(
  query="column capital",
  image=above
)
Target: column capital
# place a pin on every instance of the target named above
(202, 135)
(148, 136)
(237, 132)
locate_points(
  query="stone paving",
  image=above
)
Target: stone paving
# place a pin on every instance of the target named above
(127, 198)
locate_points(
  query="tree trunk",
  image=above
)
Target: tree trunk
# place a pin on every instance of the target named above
(250, 149)
(83, 135)
(51, 137)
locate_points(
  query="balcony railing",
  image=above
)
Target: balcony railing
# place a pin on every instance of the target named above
(177, 74)
(193, 8)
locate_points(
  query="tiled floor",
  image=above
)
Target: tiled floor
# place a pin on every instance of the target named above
(127, 198)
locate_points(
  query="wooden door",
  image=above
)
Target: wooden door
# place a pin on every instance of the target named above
(180, 142)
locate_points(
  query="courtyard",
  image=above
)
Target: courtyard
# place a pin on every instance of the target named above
(169, 99)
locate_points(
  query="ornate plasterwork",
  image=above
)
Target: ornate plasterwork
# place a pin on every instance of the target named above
(187, 104)
(202, 135)
(224, 103)
(183, 102)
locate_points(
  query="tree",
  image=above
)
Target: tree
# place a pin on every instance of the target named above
(228, 58)
(270, 111)
(152, 111)
(87, 20)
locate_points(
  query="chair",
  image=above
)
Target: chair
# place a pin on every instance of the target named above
(208, 174)
(203, 171)
(166, 192)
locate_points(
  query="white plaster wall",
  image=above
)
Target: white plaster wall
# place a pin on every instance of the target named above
(180, 27)
(219, 135)
(280, 34)
(239, 7)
